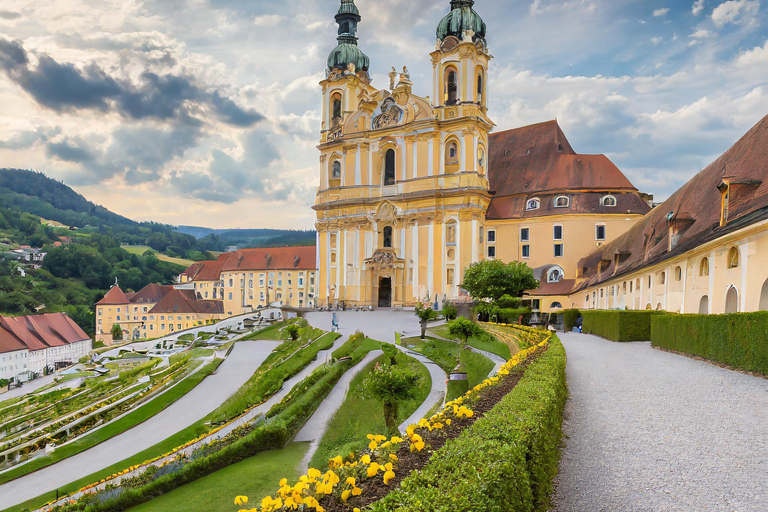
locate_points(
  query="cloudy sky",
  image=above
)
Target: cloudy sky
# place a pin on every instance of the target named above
(206, 112)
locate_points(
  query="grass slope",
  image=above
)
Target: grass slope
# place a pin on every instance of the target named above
(488, 343)
(141, 249)
(255, 477)
(128, 421)
(358, 417)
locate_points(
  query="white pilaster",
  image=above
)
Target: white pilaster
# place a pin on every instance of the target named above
(430, 259)
(415, 255)
(744, 261)
(431, 157)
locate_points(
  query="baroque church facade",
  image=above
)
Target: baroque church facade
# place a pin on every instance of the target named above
(414, 189)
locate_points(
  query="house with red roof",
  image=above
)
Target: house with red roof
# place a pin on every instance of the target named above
(32, 343)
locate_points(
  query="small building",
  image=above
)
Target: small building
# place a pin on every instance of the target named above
(32, 343)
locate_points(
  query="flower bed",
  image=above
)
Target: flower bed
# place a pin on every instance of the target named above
(470, 455)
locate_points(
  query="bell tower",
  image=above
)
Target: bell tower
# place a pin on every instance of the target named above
(460, 63)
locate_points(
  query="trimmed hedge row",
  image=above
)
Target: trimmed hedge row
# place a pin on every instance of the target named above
(506, 460)
(739, 340)
(619, 325)
(569, 319)
(512, 315)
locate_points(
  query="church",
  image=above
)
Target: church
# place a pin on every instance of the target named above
(413, 189)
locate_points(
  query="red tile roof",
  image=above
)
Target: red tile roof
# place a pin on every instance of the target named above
(153, 292)
(37, 332)
(114, 296)
(184, 301)
(206, 270)
(693, 211)
(538, 161)
(274, 258)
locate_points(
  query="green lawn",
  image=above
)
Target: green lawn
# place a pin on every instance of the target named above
(356, 348)
(255, 477)
(488, 342)
(141, 249)
(358, 417)
(128, 421)
(448, 355)
(269, 333)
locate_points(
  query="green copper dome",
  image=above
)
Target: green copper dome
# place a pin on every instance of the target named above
(347, 51)
(462, 17)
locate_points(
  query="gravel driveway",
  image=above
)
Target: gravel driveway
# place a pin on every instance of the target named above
(653, 431)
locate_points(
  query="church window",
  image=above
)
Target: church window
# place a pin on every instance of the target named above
(704, 267)
(532, 204)
(336, 107)
(481, 159)
(450, 233)
(387, 236)
(451, 87)
(480, 87)
(678, 273)
(599, 231)
(450, 277)
(608, 201)
(336, 170)
(451, 153)
(733, 258)
(389, 167)
(562, 202)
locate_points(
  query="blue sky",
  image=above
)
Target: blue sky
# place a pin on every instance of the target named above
(206, 112)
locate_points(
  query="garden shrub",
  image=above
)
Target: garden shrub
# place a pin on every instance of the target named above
(503, 462)
(569, 319)
(619, 325)
(739, 340)
(512, 315)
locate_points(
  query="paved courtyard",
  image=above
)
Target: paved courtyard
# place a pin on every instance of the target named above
(652, 431)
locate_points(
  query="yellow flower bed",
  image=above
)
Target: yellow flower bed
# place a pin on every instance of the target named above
(344, 473)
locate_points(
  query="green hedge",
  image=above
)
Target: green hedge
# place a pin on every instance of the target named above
(512, 315)
(619, 325)
(506, 460)
(739, 340)
(569, 319)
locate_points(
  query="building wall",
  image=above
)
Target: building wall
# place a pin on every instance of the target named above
(579, 238)
(163, 324)
(13, 363)
(128, 316)
(679, 284)
(211, 290)
(246, 290)
(72, 352)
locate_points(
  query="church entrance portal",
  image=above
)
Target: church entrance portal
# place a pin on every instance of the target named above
(385, 292)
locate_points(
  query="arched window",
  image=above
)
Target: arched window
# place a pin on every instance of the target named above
(336, 106)
(532, 204)
(387, 242)
(556, 305)
(451, 86)
(704, 267)
(555, 275)
(704, 305)
(662, 277)
(480, 159)
(336, 170)
(480, 87)
(732, 300)
(562, 201)
(608, 200)
(389, 167)
(678, 273)
(451, 152)
(733, 257)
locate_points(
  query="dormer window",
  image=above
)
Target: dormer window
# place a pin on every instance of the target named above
(562, 202)
(608, 200)
(532, 204)
(555, 275)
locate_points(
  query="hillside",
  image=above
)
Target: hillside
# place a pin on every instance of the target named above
(220, 239)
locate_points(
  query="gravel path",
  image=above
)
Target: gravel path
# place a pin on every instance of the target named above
(652, 431)
(204, 398)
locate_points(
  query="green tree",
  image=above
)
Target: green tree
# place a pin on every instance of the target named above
(492, 279)
(425, 314)
(117, 332)
(463, 328)
(449, 310)
(391, 385)
(292, 331)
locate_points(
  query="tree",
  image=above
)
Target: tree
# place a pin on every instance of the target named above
(425, 314)
(464, 328)
(492, 279)
(117, 332)
(391, 385)
(292, 331)
(449, 310)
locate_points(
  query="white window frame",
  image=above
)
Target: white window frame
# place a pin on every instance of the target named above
(567, 202)
(608, 197)
(533, 200)
(554, 226)
(605, 232)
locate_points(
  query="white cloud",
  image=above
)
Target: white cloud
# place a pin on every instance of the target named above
(697, 7)
(735, 11)
(702, 34)
(660, 12)
(755, 58)
(656, 40)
